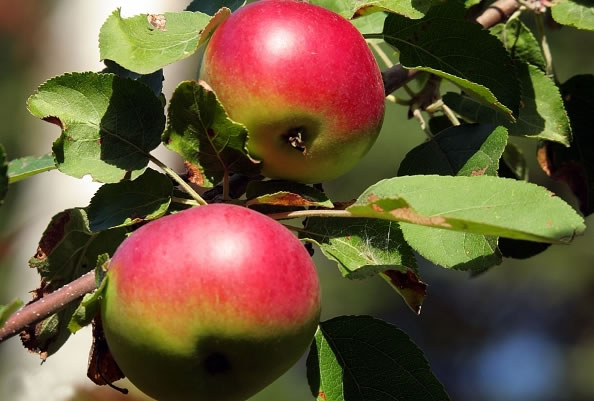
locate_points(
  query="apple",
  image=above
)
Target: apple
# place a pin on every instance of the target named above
(211, 303)
(303, 81)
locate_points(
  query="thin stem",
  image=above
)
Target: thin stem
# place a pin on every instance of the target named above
(48, 305)
(310, 213)
(179, 180)
(382, 54)
(544, 44)
(373, 35)
(449, 113)
(184, 201)
(408, 90)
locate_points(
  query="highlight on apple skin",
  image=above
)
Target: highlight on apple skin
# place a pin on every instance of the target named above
(303, 81)
(211, 303)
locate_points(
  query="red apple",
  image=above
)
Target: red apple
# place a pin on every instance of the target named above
(303, 81)
(212, 303)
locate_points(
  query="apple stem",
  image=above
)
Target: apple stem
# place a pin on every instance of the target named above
(46, 306)
(179, 180)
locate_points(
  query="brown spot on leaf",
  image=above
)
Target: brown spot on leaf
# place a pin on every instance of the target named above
(365, 10)
(54, 120)
(480, 171)
(194, 174)
(412, 289)
(377, 208)
(102, 367)
(322, 395)
(157, 21)
(550, 223)
(211, 133)
(53, 234)
(372, 198)
(213, 23)
(290, 199)
(408, 214)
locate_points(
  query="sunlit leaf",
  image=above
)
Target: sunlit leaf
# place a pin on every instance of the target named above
(109, 124)
(481, 205)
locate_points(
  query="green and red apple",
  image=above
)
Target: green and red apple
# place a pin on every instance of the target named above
(211, 303)
(303, 81)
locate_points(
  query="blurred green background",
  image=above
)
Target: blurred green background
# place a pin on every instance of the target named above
(523, 331)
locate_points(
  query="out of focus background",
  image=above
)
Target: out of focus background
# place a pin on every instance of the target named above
(524, 331)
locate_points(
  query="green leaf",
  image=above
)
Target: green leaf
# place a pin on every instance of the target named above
(7, 310)
(211, 7)
(575, 165)
(367, 247)
(542, 114)
(28, 166)
(576, 13)
(146, 43)
(349, 9)
(469, 149)
(67, 250)
(470, 3)
(446, 44)
(372, 23)
(363, 358)
(465, 150)
(153, 80)
(200, 130)
(89, 306)
(3, 174)
(285, 193)
(481, 205)
(361, 247)
(520, 42)
(130, 202)
(109, 124)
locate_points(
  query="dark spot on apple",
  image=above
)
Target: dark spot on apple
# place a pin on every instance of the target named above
(294, 137)
(216, 364)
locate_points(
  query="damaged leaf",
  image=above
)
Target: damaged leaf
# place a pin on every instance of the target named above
(109, 124)
(480, 205)
(285, 193)
(67, 250)
(146, 43)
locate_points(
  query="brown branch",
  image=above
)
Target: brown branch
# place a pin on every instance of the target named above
(48, 305)
(396, 76)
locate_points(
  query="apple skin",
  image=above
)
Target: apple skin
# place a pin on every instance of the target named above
(211, 303)
(283, 66)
